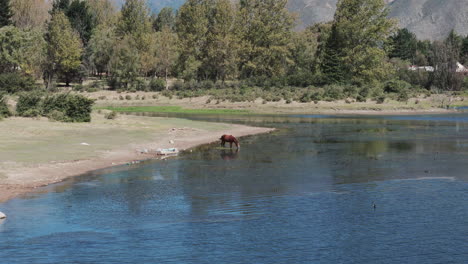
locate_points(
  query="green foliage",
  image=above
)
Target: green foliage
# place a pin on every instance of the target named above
(403, 45)
(64, 49)
(354, 52)
(16, 82)
(76, 108)
(165, 18)
(60, 107)
(5, 13)
(21, 49)
(124, 65)
(157, 85)
(396, 86)
(134, 20)
(4, 111)
(81, 19)
(264, 31)
(29, 104)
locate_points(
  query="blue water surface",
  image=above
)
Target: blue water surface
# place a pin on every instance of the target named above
(303, 194)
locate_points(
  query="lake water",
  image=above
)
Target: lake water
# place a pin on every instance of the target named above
(303, 194)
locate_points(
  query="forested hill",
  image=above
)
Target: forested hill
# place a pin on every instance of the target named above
(428, 19)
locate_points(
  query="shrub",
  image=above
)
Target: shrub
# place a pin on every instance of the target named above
(361, 98)
(15, 82)
(121, 97)
(155, 96)
(31, 113)
(177, 85)
(28, 101)
(56, 115)
(76, 108)
(333, 92)
(157, 85)
(128, 97)
(4, 111)
(111, 115)
(207, 84)
(380, 99)
(396, 86)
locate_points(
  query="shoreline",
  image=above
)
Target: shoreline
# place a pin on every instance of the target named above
(22, 180)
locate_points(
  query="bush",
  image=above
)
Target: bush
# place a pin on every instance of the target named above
(31, 113)
(28, 102)
(157, 85)
(128, 97)
(177, 85)
(56, 115)
(396, 86)
(76, 108)
(333, 92)
(15, 82)
(380, 99)
(111, 115)
(4, 111)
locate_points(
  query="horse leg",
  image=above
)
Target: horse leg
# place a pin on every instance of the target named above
(230, 144)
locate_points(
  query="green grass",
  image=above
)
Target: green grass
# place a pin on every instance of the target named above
(173, 109)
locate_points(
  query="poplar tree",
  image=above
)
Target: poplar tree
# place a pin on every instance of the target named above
(166, 52)
(356, 45)
(191, 28)
(264, 30)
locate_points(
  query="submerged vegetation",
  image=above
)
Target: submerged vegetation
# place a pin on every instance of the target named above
(229, 51)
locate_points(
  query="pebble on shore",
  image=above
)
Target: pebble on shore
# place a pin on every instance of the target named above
(2, 215)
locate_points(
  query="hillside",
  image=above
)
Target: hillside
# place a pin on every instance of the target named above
(428, 19)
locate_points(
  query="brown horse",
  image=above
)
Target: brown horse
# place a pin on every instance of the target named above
(231, 139)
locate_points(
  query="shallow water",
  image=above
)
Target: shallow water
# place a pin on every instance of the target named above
(302, 194)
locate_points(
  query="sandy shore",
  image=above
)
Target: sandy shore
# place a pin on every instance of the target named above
(23, 178)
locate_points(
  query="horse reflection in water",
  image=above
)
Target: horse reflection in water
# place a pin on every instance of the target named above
(229, 154)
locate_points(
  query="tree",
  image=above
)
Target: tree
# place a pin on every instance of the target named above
(220, 50)
(191, 28)
(103, 11)
(464, 51)
(165, 18)
(5, 13)
(100, 48)
(445, 77)
(64, 49)
(134, 19)
(30, 13)
(264, 30)
(81, 19)
(304, 47)
(403, 45)
(455, 42)
(166, 52)
(124, 64)
(360, 29)
(21, 50)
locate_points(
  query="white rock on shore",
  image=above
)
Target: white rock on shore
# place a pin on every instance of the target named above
(2, 215)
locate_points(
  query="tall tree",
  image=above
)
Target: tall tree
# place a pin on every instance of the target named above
(81, 19)
(103, 11)
(21, 50)
(360, 29)
(403, 45)
(220, 50)
(165, 18)
(124, 65)
(444, 57)
(135, 19)
(100, 48)
(30, 13)
(5, 13)
(264, 29)
(166, 52)
(464, 51)
(64, 49)
(191, 28)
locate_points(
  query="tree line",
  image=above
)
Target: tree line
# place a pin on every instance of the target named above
(217, 41)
